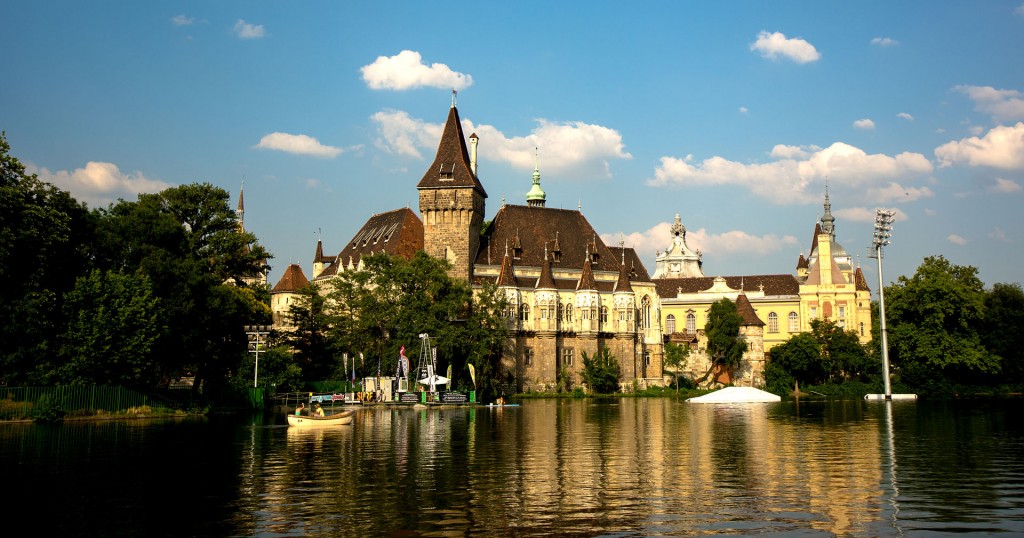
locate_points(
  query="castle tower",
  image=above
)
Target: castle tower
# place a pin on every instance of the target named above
(536, 197)
(451, 202)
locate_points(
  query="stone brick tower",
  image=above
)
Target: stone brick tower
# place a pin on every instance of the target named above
(452, 201)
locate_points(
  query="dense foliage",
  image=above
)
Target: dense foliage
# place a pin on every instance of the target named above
(725, 346)
(675, 358)
(827, 354)
(601, 372)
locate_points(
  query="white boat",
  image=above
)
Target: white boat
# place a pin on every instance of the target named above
(303, 421)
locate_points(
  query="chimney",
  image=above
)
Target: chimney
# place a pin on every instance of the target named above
(472, 153)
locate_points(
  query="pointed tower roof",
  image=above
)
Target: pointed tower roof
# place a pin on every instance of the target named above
(319, 257)
(586, 277)
(546, 280)
(827, 220)
(814, 274)
(507, 277)
(292, 280)
(622, 285)
(859, 280)
(801, 263)
(814, 242)
(451, 167)
(746, 311)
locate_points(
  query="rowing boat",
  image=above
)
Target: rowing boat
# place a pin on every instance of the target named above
(336, 419)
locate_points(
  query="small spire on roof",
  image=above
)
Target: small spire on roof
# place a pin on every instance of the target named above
(454, 94)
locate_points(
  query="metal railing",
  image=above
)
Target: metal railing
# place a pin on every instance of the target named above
(17, 403)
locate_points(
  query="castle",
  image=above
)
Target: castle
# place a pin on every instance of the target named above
(570, 293)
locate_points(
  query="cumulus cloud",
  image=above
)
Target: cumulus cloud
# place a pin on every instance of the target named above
(776, 45)
(298, 144)
(744, 110)
(1002, 147)
(884, 42)
(956, 239)
(571, 150)
(99, 183)
(182, 20)
(787, 180)
(905, 116)
(894, 192)
(865, 214)
(659, 236)
(864, 124)
(246, 30)
(406, 70)
(1003, 105)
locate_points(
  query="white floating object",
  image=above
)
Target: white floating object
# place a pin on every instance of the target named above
(881, 397)
(736, 395)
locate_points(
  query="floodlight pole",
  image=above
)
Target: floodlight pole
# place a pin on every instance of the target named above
(254, 334)
(883, 227)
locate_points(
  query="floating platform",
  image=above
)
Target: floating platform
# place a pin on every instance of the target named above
(882, 398)
(736, 395)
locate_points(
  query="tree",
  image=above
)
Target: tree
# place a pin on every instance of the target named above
(114, 322)
(601, 372)
(1002, 331)
(44, 234)
(842, 357)
(723, 333)
(797, 360)
(308, 340)
(675, 358)
(933, 319)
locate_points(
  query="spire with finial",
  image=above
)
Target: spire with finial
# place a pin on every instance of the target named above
(455, 93)
(241, 206)
(536, 196)
(827, 220)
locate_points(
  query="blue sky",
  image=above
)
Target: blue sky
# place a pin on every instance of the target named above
(732, 114)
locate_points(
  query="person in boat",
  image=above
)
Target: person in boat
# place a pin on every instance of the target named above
(299, 409)
(319, 411)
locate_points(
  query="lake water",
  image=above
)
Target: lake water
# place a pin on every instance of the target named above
(625, 467)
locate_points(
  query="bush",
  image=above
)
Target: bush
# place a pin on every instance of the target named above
(47, 409)
(601, 372)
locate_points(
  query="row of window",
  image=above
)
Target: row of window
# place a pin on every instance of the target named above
(773, 323)
(565, 353)
(565, 313)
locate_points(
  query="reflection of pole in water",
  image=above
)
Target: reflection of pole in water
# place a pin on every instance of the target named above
(891, 445)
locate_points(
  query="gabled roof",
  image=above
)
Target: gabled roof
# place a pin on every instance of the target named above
(529, 230)
(622, 285)
(398, 232)
(451, 166)
(637, 271)
(746, 311)
(292, 280)
(772, 285)
(860, 281)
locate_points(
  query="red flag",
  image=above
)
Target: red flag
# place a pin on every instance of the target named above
(402, 352)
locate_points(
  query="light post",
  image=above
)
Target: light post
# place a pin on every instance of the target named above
(257, 335)
(883, 227)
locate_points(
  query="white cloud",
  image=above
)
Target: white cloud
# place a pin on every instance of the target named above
(788, 180)
(884, 42)
(776, 45)
(182, 20)
(298, 144)
(567, 149)
(1003, 105)
(864, 214)
(894, 192)
(864, 124)
(956, 239)
(406, 70)
(246, 30)
(100, 183)
(744, 110)
(999, 235)
(1002, 147)
(659, 236)
(1004, 186)
(905, 116)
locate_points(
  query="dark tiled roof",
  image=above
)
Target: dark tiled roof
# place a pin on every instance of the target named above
(292, 280)
(451, 167)
(774, 285)
(746, 311)
(814, 240)
(622, 284)
(801, 263)
(637, 271)
(507, 277)
(398, 232)
(860, 281)
(536, 229)
(545, 281)
(586, 281)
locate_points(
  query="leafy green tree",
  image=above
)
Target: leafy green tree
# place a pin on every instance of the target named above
(309, 340)
(114, 322)
(1002, 331)
(675, 358)
(797, 360)
(842, 357)
(933, 319)
(44, 234)
(723, 333)
(277, 370)
(601, 372)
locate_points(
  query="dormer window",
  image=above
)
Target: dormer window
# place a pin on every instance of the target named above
(447, 175)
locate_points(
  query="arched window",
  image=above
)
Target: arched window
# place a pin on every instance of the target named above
(568, 313)
(561, 312)
(794, 322)
(525, 312)
(645, 312)
(773, 322)
(862, 328)
(670, 324)
(691, 323)
(604, 314)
